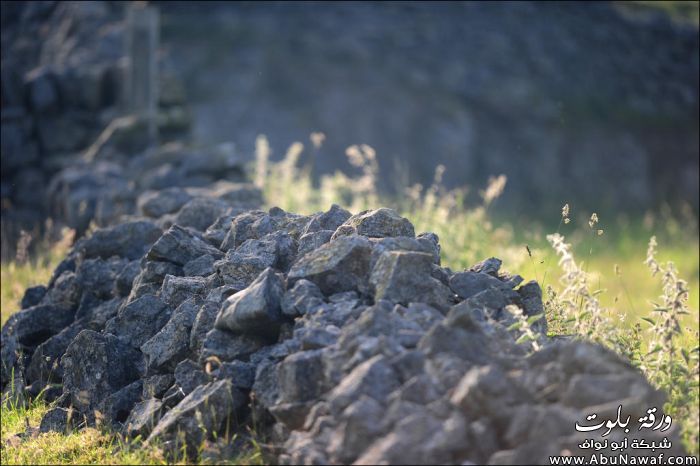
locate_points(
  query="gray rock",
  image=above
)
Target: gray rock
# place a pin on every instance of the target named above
(32, 326)
(403, 243)
(362, 423)
(130, 240)
(266, 387)
(301, 298)
(200, 415)
(487, 391)
(115, 408)
(155, 204)
(216, 232)
(467, 284)
(255, 310)
(96, 366)
(341, 265)
(489, 266)
(96, 314)
(199, 267)
(156, 385)
(315, 338)
(404, 277)
(300, 377)
(44, 366)
(314, 240)
(329, 220)
(248, 225)
(227, 346)
(32, 296)
(175, 290)
(241, 374)
(376, 224)
(97, 276)
(125, 279)
(139, 320)
(531, 298)
(190, 375)
(374, 378)
(179, 246)
(172, 343)
(242, 265)
(199, 213)
(203, 323)
(65, 291)
(60, 420)
(405, 444)
(143, 418)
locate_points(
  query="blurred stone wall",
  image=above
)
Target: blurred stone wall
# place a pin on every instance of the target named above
(594, 104)
(62, 79)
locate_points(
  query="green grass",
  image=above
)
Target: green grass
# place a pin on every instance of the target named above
(621, 290)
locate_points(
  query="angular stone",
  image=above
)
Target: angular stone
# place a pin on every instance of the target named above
(125, 279)
(404, 277)
(172, 343)
(374, 378)
(489, 266)
(139, 320)
(255, 310)
(242, 265)
(179, 246)
(115, 408)
(531, 298)
(467, 284)
(130, 240)
(314, 240)
(59, 420)
(248, 225)
(95, 366)
(227, 346)
(190, 375)
(96, 314)
(199, 213)
(198, 416)
(45, 366)
(376, 224)
(32, 296)
(165, 201)
(341, 265)
(156, 385)
(488, 391)
(65, 291)
(402, 243)
(241, 374)
(34, 325)
(361, 425)
(300, 377)
(329, 220)
(199, 267)
(175, 290)
(203, 323)
(301, 298)
(405, 444)
(143, 418)
(97, 276)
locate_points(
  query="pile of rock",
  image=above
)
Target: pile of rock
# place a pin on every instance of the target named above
(340, 337)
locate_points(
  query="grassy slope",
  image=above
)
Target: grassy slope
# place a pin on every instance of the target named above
(467, 235)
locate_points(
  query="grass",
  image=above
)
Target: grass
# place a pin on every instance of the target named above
(605, 292)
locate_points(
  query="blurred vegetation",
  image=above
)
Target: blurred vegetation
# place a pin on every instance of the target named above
(592, 270)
